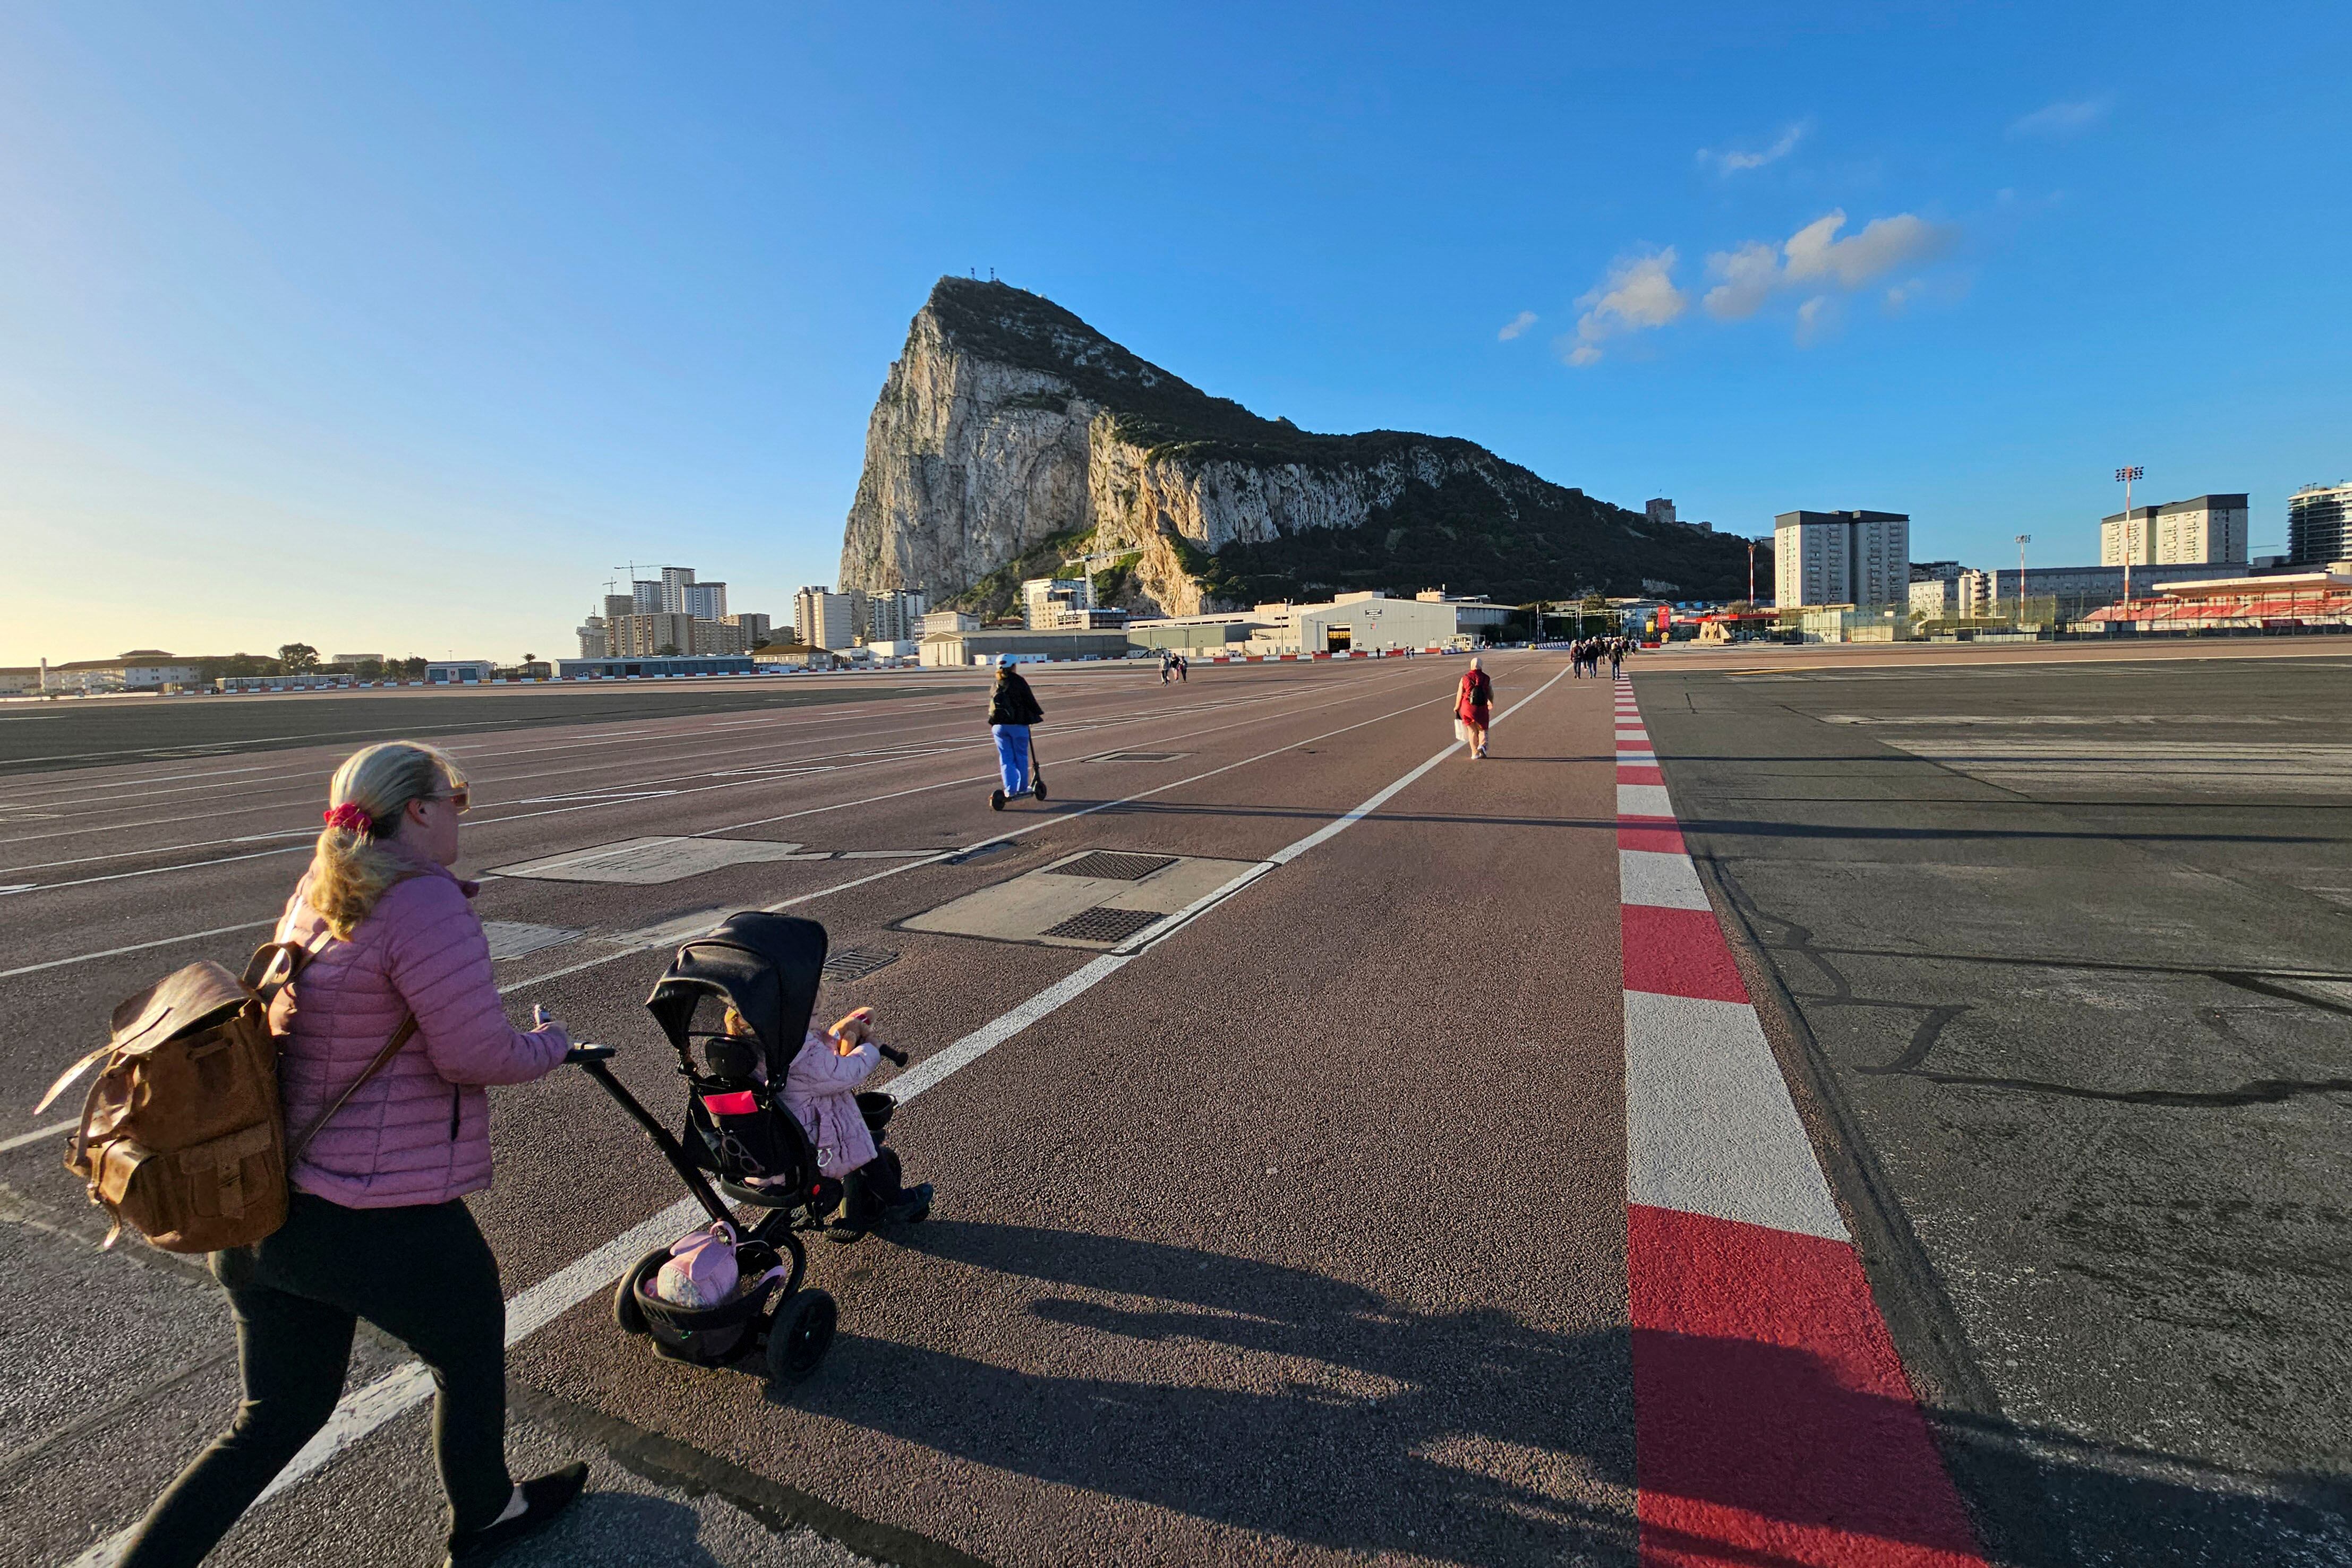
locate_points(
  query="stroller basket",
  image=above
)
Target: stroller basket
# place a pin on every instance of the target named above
(709, 1335)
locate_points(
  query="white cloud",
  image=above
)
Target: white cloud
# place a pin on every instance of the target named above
(1882, 246)
(1729, 161)
(1815, 316)
(1516, 325)
(1748, 276)
(1639, 294)
(2063, 117)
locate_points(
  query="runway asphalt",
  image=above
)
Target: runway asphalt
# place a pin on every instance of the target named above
(2057, 954)
(1298, 1235)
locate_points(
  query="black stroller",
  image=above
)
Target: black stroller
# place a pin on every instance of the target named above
(741, 1136)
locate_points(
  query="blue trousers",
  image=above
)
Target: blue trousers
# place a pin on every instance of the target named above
(1013, 756)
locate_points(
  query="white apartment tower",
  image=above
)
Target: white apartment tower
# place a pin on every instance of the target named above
(824, 619)
(1842, 557)
(2207, 531)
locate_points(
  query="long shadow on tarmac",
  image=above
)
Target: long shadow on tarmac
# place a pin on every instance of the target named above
(1496, 1443)
(1694, 825)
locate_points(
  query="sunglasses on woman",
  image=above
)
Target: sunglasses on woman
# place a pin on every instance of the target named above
(458, 800)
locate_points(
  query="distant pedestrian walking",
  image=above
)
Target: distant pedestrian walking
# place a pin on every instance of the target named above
(1012, 709)
(1616, 655)
(1474, 702)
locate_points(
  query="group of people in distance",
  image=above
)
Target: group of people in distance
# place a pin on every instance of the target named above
(1586, 654)
(1173, 667)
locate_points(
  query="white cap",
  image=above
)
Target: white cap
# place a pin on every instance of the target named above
(1003, 661)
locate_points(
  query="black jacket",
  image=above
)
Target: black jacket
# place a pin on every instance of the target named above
(1013, 702)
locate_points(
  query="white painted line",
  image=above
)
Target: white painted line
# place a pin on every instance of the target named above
(600, 803)
(25, 1140)
(1169, 924)
(902, 867)
(930, 1072)
(1654, 877)
(134, 948)
(1285, 856)
(1710, 1126)
(160, 870)
(1643, 801)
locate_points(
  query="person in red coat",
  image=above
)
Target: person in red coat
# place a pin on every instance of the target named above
(1473, 701)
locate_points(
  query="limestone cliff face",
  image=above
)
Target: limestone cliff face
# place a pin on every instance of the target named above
(1010, 437)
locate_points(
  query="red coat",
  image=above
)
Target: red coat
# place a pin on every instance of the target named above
(1476, 697)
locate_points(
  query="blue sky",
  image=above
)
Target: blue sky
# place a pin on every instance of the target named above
(394, 328)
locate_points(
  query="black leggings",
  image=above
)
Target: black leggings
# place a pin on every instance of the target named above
(423, 1275)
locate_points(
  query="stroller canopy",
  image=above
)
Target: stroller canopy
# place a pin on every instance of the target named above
(765, 966)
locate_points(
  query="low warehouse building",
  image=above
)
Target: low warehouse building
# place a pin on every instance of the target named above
(961, 648)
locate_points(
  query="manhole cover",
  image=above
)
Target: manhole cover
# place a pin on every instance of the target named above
(1105, 924)
(1112, 866)
(857, 963)
(1139, 757)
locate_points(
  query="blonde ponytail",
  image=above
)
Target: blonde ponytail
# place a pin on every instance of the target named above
(353, 866)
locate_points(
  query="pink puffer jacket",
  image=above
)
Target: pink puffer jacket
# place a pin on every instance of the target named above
(821, 1090)
(419, 1131)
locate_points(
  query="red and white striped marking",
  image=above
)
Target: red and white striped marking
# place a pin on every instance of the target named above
(1772, 1421)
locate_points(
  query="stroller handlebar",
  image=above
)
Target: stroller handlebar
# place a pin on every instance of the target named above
(584, 1052)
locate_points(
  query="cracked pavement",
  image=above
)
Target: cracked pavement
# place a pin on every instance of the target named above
(2080, 1022)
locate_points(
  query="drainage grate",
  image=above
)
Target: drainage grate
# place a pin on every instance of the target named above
(1105, 924)
(857, 963)
(1138, 756)
(1112, 866)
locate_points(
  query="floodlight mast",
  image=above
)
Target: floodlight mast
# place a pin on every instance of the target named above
(2023, 541)
(2128, 475)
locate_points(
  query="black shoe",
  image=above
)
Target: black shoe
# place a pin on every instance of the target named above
(542, 1500)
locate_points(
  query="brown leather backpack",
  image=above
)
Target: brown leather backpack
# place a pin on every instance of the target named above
(182, 1137)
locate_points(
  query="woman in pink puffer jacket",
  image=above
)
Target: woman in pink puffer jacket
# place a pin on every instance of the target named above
(374, 1226)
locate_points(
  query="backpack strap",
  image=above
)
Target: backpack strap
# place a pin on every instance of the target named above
(274, 964)
(400, 1037)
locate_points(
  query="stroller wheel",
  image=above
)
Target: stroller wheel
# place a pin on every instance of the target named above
(626, 1313)
(799, 1335)
(996, 800)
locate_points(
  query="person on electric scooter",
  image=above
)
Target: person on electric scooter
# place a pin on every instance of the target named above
(1012, 709)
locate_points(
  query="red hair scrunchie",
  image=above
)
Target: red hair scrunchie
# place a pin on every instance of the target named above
(351, 819)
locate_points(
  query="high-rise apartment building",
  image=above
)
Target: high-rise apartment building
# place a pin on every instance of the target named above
(2206, 531)
(1046, 600)
(704, 601)
(646, 598)
(755, 628)
(895, 615)
(2320, 525)
(1842, 557)
(824, 619)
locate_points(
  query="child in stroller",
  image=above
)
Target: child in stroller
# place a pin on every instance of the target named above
(756, 975)
(821, 1092)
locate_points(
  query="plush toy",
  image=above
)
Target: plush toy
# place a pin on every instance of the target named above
(701, 1272)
